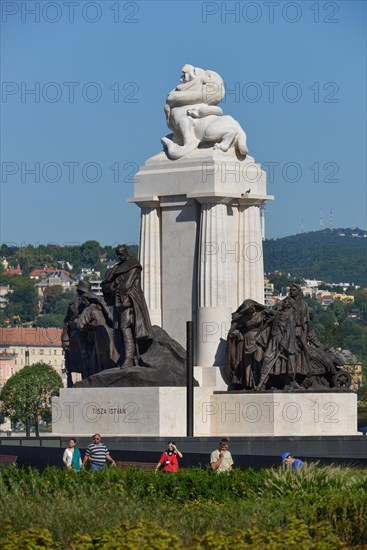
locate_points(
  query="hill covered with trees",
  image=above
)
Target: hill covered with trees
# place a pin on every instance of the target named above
(330, 256)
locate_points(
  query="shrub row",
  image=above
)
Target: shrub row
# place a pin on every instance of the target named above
(147, 535)
(267, 508)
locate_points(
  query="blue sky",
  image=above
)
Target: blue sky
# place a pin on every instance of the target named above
(101, 75)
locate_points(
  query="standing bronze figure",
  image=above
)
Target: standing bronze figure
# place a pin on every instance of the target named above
(122, 289)
(244, 355)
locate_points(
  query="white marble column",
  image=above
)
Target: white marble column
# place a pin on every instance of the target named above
(251, 266)
(201, 246)
(214, 311)
(150, 259)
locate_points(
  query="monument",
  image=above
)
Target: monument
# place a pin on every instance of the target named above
(201, 257)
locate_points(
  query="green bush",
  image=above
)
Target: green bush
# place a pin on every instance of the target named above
(314, 507)
(148, 535)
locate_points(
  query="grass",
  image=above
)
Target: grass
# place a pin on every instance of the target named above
(192, 509)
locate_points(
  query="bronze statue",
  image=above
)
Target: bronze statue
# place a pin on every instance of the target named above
(276, 348)
(87, 337)
(101, 334)
(122, 290)
(280, 348)
(97, 319)
(244, 356)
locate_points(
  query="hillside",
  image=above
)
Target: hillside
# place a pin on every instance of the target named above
(331, 256)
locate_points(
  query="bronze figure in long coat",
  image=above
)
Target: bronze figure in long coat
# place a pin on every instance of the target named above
(122, 289)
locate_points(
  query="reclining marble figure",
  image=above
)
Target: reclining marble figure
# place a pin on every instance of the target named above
(194, 118)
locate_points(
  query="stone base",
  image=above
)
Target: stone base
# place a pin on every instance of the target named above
(120, 411)
(293, 413)
(161, 412)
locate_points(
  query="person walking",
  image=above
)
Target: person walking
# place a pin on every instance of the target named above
(72, 458)
(290, 460)
(221, 459)
(170, 459)
(97, 454)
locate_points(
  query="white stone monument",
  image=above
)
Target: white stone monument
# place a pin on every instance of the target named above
(201, 252)
(201, 237)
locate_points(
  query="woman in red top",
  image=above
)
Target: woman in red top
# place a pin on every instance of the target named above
(169, 459)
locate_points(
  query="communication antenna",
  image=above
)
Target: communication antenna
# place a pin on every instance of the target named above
(302, 226)
(331, 225)
(321, 221)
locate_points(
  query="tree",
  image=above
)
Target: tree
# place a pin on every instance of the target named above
(282, 281)
(51, 296)
(23, 299)
(28, 393)
(62, 305)
(361, 302)
(51, 320)
(91, 252)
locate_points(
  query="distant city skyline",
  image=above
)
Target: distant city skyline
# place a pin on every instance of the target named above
(83, 91)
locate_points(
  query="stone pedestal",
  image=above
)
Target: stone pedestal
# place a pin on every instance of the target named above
(282, 413)
(161, 411)
(200, 243)
(119, 411)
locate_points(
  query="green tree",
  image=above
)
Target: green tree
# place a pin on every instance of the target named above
(282, 281)
(28, 393)
(360, 302)
(23, 299)
(62, 305)
(51, 296)
(50, 320)
(91, 252)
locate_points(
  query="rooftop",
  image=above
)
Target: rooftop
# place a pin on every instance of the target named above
(47, 271)
(23, 336)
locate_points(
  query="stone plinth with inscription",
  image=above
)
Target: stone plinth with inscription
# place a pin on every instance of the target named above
(161, 412)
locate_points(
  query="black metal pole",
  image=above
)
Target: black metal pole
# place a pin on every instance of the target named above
(189, 379)
(28, 427)
(27, 420)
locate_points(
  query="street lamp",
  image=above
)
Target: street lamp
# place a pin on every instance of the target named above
(27, 420)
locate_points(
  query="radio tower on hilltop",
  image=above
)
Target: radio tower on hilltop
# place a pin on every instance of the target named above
(321, 221)
(331, 225)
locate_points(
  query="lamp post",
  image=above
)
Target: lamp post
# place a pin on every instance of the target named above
(36, 421)
(27, 420)
(189, 379)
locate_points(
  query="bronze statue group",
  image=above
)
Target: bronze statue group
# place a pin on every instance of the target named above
(275, 348)
(104, 332)
(267, 348)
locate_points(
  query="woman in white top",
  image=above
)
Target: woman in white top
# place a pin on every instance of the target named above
(72, 458)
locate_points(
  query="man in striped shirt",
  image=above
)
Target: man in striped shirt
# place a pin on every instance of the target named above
(97, 454)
